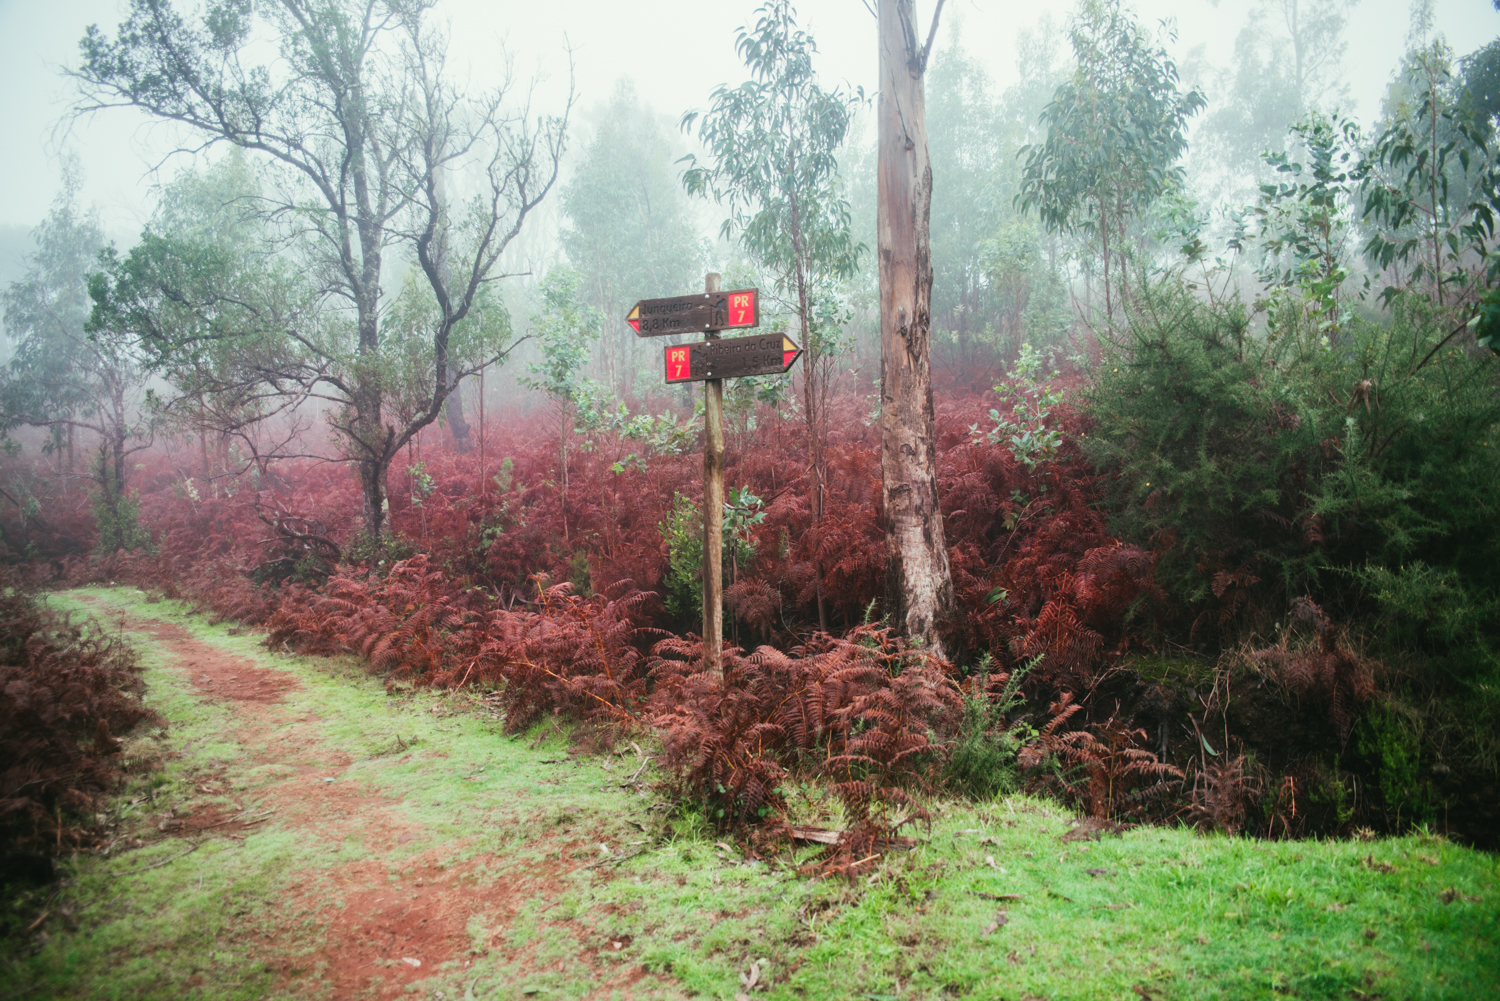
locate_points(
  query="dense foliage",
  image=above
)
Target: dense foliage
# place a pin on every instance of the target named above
(66, 693)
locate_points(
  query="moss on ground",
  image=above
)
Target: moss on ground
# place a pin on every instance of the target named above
(990, 904)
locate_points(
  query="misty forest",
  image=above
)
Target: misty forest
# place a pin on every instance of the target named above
(1104, 603)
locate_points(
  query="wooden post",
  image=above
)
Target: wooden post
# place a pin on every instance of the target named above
(483, 477)
(713, 514)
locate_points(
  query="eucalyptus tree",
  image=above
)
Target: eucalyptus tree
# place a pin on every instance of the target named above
(1116, 131)
(564, 329)
(63, 377)
(986, 261)
(358, 124)
(919, 584)
(201, 295)
(772, 147)
(627, 230)
(968, 140)
(1432, 184)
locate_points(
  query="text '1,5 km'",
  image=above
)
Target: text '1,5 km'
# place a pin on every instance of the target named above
(694, 314)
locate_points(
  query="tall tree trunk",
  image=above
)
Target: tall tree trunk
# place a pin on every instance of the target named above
(458, 426)
(919, 589)
(372, 485)
(376, 447)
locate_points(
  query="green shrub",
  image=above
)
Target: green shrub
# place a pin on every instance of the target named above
(379, 553)
(118, 522)
(983, 759)
(1263, 464)
(683, 534)
(1392, 743)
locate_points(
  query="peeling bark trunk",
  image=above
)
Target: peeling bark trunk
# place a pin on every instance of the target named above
(919, 589)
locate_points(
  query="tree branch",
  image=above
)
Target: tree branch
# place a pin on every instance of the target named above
(931, 37)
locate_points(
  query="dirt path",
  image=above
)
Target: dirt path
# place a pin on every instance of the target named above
(307, 834)
(406, 905)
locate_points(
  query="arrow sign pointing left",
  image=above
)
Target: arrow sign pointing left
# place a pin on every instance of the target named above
(694, 314)
(768, 354)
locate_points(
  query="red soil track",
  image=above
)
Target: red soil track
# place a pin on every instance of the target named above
(367, 923)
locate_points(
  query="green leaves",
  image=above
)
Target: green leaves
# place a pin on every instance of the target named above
(772, 143)
(566, 328)
(1024, 427)
(1115, 131)
(1432, 190)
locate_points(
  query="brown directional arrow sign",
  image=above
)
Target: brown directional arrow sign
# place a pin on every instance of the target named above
(767, 354)
(693, 314)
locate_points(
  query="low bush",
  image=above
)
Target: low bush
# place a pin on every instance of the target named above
(67, 693)
(870, 714)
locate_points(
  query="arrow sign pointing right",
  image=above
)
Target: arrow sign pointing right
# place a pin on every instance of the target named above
(730, 358)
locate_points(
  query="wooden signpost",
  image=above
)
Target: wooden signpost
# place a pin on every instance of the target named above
(711, 362)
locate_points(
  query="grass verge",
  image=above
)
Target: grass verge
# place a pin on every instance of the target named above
(407, 814)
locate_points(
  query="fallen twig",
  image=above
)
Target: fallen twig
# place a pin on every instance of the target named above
(238, 820)
(634, 775)
(821, 835)
(616, 859)
(157, 865)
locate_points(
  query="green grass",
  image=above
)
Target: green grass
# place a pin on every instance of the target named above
(1168, 911)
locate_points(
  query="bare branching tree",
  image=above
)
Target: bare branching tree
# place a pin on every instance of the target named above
(364, 133)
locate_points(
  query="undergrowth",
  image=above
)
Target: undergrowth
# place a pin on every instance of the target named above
(1007, 894)
(67, 691)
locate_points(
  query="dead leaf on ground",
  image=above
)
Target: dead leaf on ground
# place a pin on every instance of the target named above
(1001, 920)
(1096, 873)
(413, 963)
(751, 979)
(1091, 829)
(1013, 958)
(1429, 859)
(1449, 895)
(1375, 865)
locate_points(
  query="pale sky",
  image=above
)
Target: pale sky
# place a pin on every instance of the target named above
(675, 52)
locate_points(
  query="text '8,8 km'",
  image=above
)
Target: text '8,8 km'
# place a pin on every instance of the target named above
(688, 314)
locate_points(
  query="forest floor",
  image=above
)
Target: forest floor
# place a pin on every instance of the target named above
(310, 834)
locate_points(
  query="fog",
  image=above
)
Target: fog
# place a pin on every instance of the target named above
(673, 52)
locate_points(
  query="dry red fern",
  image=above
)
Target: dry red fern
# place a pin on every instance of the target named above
(65, 693)
(1103, 768)
(866, 710)
(1331, 673)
